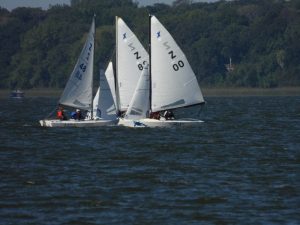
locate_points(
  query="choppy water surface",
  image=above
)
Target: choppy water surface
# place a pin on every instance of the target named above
(240, 167)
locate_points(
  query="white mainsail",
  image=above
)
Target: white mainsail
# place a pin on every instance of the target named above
(78, 91)
(131, 58)
(103, 104)
(174, 83)
(140, 104)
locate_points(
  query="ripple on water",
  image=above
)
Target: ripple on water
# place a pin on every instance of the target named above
(240, 166)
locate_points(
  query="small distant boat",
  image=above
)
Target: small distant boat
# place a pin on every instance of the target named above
(17, 94)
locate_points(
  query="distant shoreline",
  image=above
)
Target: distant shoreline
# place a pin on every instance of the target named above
(282, 91)
(207, 92)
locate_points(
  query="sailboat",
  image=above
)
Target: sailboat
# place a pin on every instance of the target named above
(78, 92)
(17, 94)
(131, 59)
(172, 84)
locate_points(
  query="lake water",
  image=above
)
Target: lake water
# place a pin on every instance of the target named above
(242, 166)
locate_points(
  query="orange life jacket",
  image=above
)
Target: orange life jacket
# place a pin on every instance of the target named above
(59, 114)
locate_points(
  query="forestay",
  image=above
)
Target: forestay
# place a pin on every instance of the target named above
(78, 91)
(139, 105)
(174, 83)
(131, 58)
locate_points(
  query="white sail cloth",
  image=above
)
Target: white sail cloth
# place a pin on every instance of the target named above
(174, 83)
(139, 105)
(103, 104)
(131, 58)
(78, 91)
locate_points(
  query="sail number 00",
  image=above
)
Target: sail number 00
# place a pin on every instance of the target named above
(177, 66)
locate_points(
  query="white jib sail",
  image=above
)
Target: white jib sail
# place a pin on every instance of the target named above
(131, 59)
(174, 83)
(104, 107)
(96, 105)
(140, 103)
(78, 91)
(110, 77)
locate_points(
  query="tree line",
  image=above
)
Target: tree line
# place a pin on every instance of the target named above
(38, 48)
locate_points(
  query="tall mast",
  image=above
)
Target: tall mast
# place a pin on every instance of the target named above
(94, 22)
(150, 66)
(116, 25)
(116, 69)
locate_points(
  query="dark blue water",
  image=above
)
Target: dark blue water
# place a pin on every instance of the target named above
(242, 166)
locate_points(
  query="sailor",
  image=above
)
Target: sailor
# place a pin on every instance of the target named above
(88, 115)
(78, 114)
(169, 115)
(60, 114)
(73, 115)
(155, 115)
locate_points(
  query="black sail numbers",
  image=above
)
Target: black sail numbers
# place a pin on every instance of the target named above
(137, 56)
(177, 64)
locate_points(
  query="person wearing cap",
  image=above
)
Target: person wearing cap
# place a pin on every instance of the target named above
(78, 114)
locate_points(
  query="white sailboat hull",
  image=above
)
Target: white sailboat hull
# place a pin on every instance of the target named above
(159, 123)
(77, 123)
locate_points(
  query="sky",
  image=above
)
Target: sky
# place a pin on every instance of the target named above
(11, 4)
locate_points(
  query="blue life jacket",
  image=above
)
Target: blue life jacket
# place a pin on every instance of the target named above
(73, 115)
